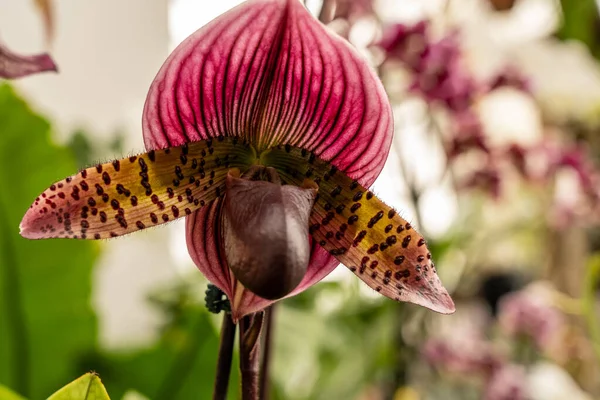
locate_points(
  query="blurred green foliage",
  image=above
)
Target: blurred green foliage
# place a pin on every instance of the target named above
(46, 320)
(581, 22)
(180, 366)
(348, 348)
(88, 153)
(82, 148)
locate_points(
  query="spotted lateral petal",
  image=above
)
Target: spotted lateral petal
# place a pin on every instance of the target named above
(137, 192)
(270, 72)
(363, 233)
(13, 65)
(204, 245)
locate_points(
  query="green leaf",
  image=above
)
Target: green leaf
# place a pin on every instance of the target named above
(7, 394)
(46, 320)
(87, 387)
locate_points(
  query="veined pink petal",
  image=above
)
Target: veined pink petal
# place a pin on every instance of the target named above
(203, 238)
(269, 71)
(14, 66)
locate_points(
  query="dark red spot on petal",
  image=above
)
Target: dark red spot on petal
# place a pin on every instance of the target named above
(406, 241)
(399, 260)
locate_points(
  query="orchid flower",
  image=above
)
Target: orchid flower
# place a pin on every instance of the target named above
(264, 130)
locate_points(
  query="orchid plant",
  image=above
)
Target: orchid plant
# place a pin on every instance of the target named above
(264, 130)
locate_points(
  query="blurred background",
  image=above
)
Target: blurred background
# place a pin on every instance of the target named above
(495, 159)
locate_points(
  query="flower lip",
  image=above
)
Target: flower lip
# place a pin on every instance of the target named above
(264, 230)
(204, 245)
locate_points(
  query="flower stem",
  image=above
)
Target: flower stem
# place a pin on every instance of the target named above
(266, 357)
(250, 329)
(327, 11)
(589, 303)
(225, 355)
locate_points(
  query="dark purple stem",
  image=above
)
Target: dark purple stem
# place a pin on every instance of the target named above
(266, 358)
(225, 355)
(250, 329)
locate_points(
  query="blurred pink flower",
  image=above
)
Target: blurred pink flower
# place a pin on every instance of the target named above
(468, 354)
(405, 43)
(440, 76)
(440, 56)
(529, 313)
(507, 383)
(510, 77)
(438, 73)
(467, 135)
(488, 179)
(576, 158)
(546, 162)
